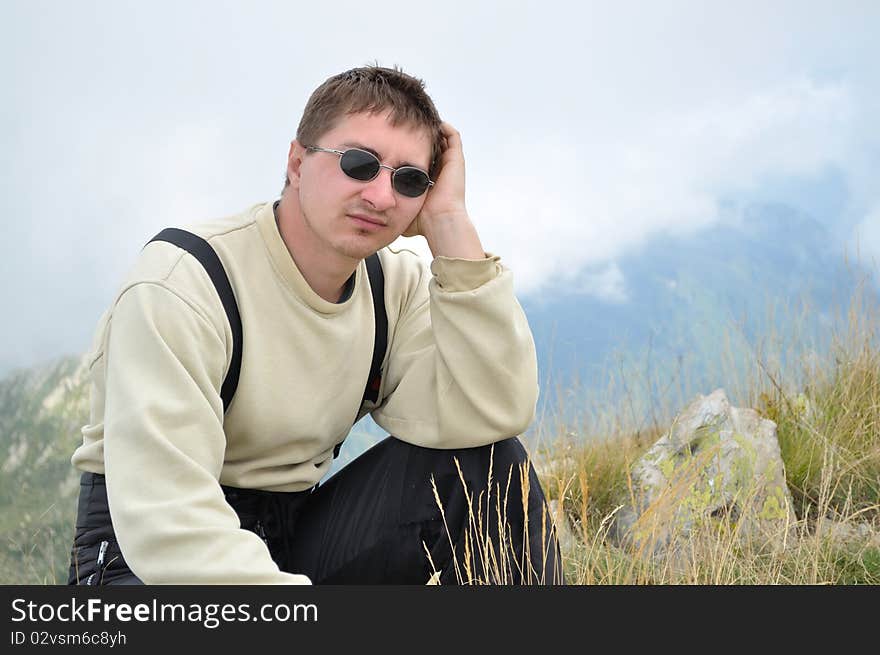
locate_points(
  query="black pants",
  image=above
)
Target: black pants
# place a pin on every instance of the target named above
(377, 521)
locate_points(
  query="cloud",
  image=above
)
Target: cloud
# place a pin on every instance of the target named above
(588, 128)
(580, 204)
(865, 241)
(608, 285)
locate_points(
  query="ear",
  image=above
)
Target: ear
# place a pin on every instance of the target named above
(294, 163)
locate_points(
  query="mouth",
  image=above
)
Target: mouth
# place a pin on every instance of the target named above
(366, 221)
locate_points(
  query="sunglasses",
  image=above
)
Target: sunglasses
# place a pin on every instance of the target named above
(364, 166)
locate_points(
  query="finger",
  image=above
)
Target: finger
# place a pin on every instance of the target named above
(452, 136)
(453, 150)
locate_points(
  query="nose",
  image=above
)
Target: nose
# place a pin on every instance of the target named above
(379, 192)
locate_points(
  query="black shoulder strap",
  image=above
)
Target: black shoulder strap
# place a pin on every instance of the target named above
(380, 337)
(380, 340)
(202, 251)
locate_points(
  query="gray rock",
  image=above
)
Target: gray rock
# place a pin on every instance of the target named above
(564, 533)
(718, 468)
(848, 532)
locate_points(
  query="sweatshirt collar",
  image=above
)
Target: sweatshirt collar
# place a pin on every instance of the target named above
(287, 270)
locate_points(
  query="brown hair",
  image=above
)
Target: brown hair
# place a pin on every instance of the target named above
(371, 89)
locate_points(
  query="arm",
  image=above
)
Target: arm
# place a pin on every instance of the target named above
(164, 446)
(443, 219)
(462, 369)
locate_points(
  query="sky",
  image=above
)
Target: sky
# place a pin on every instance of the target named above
(588, 128)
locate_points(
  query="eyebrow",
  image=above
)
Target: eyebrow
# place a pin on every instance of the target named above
(361, 146)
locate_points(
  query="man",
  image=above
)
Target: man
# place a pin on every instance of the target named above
(201, 492)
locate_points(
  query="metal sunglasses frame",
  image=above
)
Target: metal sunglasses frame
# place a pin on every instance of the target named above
(378, 170)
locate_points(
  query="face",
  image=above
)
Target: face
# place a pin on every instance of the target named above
(346, 217)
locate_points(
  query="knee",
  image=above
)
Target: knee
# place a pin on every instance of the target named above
(509, 451)
(475, 466)
(501, 456)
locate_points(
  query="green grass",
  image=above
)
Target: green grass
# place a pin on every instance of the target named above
(827, 410)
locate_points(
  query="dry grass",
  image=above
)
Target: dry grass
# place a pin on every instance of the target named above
(826, 405)
(488, 551)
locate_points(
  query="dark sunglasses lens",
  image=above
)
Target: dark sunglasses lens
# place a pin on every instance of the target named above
(359, 165)
(410, 182)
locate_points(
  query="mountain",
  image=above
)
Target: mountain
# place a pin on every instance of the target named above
(41, 413)
(688, 313)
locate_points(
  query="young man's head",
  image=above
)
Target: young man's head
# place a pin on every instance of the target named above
(341, 194)
(374, 90)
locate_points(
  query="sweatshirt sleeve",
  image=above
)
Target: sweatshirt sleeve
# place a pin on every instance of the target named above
(164, 447)
(462, 369)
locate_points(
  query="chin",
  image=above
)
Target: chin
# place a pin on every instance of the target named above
(361, 248)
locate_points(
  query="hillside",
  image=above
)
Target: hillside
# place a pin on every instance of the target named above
(41, 412)
(689, 311)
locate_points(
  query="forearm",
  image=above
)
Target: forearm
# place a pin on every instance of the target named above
(180, 530)
(164, 449)
(444, 220)
(463, 369)
(453, 235)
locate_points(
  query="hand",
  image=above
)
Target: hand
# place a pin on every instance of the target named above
(444, 220)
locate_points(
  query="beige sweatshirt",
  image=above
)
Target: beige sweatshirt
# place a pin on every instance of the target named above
(460, 371)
